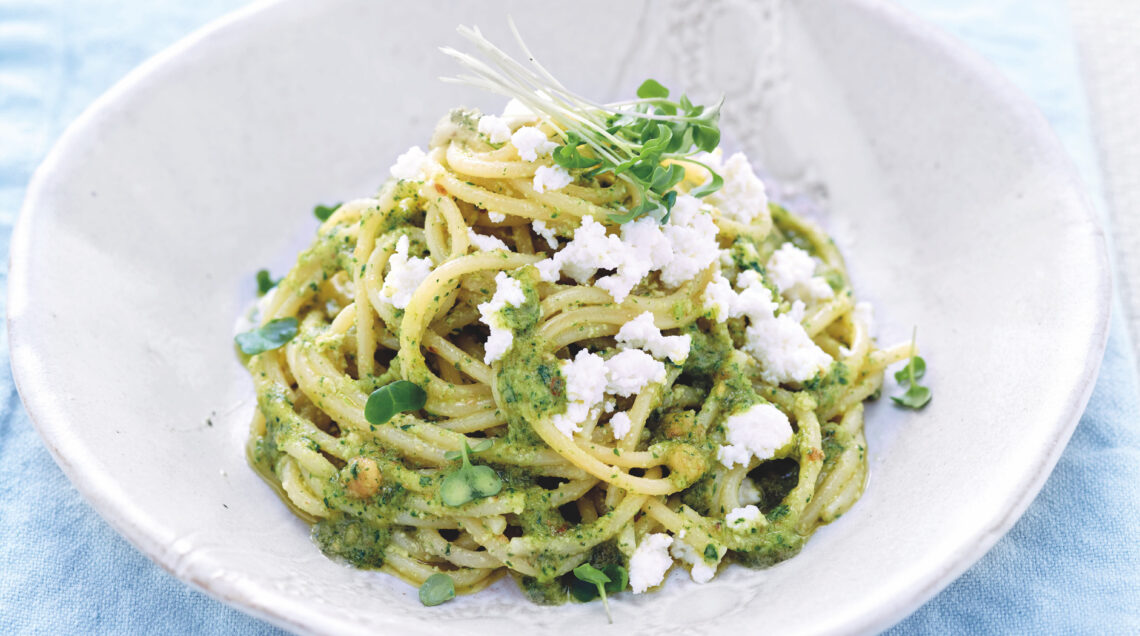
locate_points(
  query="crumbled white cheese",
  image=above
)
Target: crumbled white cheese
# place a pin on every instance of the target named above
(749, 493)
(650, 562)
(548, 178)
(865, 314)
(680, 250)
(531, 143)
(620, 424)
(404, 275)
(591, 249)
(496, 130)
(719, 298)
(642, 333)
(630, 371)
(485, 243)
(692, 233)
(742, 197)
(792, 270)
(508, 292)
(410, 166)
(496, 217)
(785, 352)
(545, 232)
(758, 432)
(700, 570)
(742, 518)
(585, 388)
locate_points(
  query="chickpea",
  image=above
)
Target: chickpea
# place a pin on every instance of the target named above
(364, 477)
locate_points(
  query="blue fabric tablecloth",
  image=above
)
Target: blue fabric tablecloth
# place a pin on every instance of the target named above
(1071, 565)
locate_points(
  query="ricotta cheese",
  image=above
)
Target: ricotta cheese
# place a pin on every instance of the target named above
(793, 271)
(496, 217)
(531, 143)
(404, 275)
(742, 197)
(485, 243)
(650, 562)
(494, 128)
(700, 570)
(585, 388)
(630, 371)
(545, 232)
(410, 166)
(620, 424)
(642, 333)
(757, 432)
(785, 352)
(679, 250)
(548, 178)
(742, 519)
(508, 292)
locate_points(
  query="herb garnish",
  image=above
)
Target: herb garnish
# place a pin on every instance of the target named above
(391, 399)
(323, 212)
(265, 282)
(469, 482)
(438, 588)
(612, 578)
(916, 395)
(631, 139)
(267, 337)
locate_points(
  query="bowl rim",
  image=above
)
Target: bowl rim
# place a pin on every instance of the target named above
(135, 524)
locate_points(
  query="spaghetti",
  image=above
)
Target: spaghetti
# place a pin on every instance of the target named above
(622, 373)
(590, 496)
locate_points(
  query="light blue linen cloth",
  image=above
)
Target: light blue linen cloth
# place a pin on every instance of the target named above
(1071, 565)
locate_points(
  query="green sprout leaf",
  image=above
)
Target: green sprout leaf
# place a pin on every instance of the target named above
(634, 140)
(438, 588)
(612, 578)
(323, 212)
(469, 482)
(390, 399)
(916, 395)
(651, 88)
(265, 282)
(915, 368)
(267, 337)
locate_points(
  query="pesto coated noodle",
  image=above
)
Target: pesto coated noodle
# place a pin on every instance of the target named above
(686, 393)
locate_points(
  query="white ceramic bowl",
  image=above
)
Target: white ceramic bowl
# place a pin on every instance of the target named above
(953, 202)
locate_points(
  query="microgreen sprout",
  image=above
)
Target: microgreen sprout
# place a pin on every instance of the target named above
(612, 578)
(639, 141)
(438, 588)
(270, 336)
(323, 212)
(390, 399)
(470, 482)
(265, 282)
(916, 395)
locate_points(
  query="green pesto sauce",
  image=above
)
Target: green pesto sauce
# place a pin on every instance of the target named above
(357, 542)
(529, 381)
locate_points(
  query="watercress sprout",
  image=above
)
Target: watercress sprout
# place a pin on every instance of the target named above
(323, 212)
(612, 578)
(438, 588)
(470, 482)
(267, 337)
(390, 399)
(638, 140)
(265, 282)
(916, 395)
